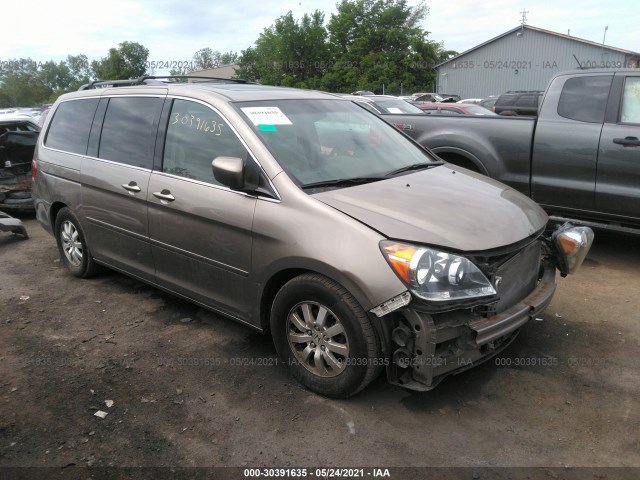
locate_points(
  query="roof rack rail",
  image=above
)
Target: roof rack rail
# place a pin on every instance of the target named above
(156, 80)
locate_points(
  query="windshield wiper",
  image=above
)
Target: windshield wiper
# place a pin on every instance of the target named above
(415, 166)
(342, 182)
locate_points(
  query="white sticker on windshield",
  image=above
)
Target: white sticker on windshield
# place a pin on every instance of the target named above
(266, 116)
(394, 110)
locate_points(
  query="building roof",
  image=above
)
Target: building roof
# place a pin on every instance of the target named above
(548, 32)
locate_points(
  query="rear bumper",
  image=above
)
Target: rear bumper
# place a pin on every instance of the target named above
(425, 348)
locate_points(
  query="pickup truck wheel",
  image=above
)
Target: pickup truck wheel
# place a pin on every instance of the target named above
(72, 245)
(325, 337)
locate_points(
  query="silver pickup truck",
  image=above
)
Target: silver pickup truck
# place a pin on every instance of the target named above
(579, 159)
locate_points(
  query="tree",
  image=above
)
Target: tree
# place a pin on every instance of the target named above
(127, 61)
(366, 45)
(379, 42)
(21, 84)
(290, 52)
(80, 70)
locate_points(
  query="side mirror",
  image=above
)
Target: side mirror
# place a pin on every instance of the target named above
(233, 173)
(229, 171)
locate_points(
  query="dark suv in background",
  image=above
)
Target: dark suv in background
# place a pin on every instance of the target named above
(518, 102)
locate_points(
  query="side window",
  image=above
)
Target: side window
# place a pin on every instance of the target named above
(504, 100)
(527, 101)
(631, 101)
(585, 98)
(195, 136)
(129, 130)
(71, 124)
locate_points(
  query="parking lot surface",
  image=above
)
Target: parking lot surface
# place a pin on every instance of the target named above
(190, 388)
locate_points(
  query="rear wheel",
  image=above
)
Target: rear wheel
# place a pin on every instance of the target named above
(72, 245)
(325, 337)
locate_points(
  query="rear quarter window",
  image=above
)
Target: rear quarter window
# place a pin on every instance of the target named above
(71, 124)
(585, 98)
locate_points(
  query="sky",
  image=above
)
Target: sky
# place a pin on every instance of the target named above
(173, 30)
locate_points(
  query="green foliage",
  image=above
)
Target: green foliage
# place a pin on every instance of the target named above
(127, 61)
(27, 83)
(365, 45)
(290, 52)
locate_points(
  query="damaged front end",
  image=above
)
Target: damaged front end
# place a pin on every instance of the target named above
(469, 312)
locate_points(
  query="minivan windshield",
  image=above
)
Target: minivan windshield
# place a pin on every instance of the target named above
(332, 143)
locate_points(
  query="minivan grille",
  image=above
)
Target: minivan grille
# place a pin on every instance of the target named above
(517, 277)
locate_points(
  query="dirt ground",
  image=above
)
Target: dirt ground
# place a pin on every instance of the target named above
(192, 389)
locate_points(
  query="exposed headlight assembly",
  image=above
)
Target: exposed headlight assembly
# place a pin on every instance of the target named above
(435, 275)
(572, 245)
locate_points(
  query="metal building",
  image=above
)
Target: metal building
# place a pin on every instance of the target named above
(524, 58)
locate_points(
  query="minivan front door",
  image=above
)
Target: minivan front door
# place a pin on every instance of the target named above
(200, 231)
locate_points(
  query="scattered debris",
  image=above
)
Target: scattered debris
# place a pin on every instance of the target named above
(109, 403)
(185, 320)
(24, 298)
(539, 319)
(101, 414)
(178, 402)
(13, 225)
(179, 391)
(13, 389)
(147, 400)
(558, 315)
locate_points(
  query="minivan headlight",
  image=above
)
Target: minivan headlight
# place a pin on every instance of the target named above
(436, 275)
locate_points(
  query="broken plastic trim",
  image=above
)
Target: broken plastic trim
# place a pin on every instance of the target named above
(390, 305)
(13, 225)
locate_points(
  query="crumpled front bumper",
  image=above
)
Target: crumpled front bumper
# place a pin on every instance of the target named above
(424, 348)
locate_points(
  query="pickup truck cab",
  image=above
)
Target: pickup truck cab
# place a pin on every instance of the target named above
(580, 159)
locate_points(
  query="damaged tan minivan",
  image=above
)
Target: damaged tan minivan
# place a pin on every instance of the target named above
(300, 214)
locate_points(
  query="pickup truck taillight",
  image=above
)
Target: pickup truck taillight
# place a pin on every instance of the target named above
(34, 168)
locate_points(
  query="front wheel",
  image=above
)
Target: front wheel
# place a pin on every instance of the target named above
(322, 333)
(72, 245)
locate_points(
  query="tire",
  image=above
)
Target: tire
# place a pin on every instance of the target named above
(325, 337)
(72, 245)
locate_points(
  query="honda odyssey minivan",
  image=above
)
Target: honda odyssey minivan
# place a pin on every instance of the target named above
(302, 215)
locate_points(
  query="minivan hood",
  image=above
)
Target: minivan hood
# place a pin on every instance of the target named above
(443, 206)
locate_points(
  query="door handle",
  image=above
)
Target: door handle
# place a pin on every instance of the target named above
(131, 187)
(165, 196)
(627, 141)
